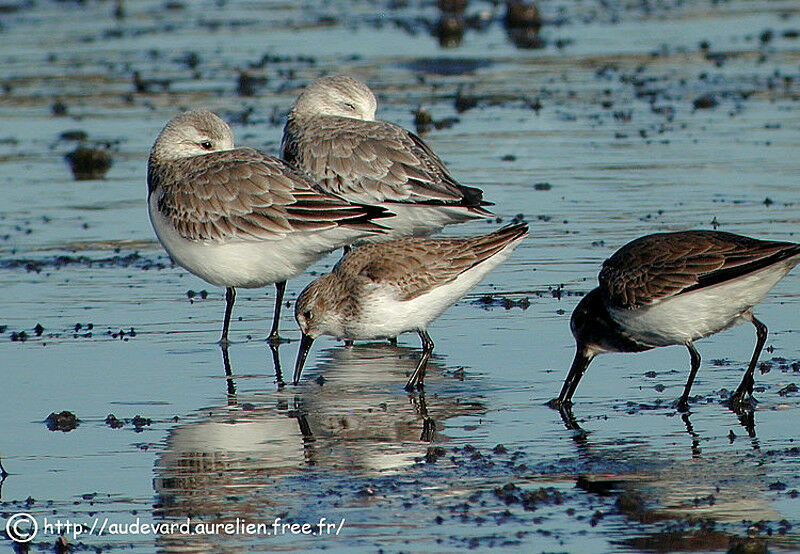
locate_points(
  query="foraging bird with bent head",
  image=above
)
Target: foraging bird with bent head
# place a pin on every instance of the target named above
(675, 288)
(384, 289)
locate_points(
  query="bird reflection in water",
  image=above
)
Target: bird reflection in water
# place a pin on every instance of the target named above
(356, 397)
(354, 419)
(229, 379)
(661, 486)
(746, 420)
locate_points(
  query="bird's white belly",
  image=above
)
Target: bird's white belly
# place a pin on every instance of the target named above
(383, 315)
(697, 314)
(247, 263)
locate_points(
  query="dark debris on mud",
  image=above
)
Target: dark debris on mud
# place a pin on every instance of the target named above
(486, 490)
(132, 260)
(64, 421)
(89, 163)
(488, 301)
(76, 331)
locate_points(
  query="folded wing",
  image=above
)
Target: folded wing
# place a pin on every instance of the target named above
(416, 266)
(374, 161)
(246, 194)
(656, 267)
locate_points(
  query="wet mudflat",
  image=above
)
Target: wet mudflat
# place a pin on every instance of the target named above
(615, 120)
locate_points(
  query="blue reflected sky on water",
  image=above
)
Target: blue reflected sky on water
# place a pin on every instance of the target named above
(615, 171)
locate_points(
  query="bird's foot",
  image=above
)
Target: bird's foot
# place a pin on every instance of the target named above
(681, 404)
(741, 402)
(565, 411)
(557, 404)
(275, 340)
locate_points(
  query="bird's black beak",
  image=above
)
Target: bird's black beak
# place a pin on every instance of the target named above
(305, 346)
(583, 357)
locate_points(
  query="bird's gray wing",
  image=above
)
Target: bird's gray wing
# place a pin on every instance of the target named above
(373, 161)
(245, 194)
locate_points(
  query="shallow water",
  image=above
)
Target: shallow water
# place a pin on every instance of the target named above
(624, 153)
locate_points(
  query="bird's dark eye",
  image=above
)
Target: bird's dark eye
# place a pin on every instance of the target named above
(307, 314)
(206, 145)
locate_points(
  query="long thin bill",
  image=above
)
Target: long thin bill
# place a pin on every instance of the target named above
(305, 346)
(579, 366)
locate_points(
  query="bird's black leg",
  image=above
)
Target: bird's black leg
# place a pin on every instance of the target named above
(746, 386)
(230, 298)
(280, 288)
(417, 378)
(683, 401)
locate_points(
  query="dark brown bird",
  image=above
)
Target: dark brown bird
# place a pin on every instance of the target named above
(675, 288)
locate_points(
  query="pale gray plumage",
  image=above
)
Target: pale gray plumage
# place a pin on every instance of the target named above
(331, 133)
(228, 193)
(238, 217)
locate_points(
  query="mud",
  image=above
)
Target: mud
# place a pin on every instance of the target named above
(609, 121)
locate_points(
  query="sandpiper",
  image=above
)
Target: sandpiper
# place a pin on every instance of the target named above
(237, 217)
(675, 288)
(384, 289)
(332, 134)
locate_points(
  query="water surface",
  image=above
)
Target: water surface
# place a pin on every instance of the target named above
(603, 114)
